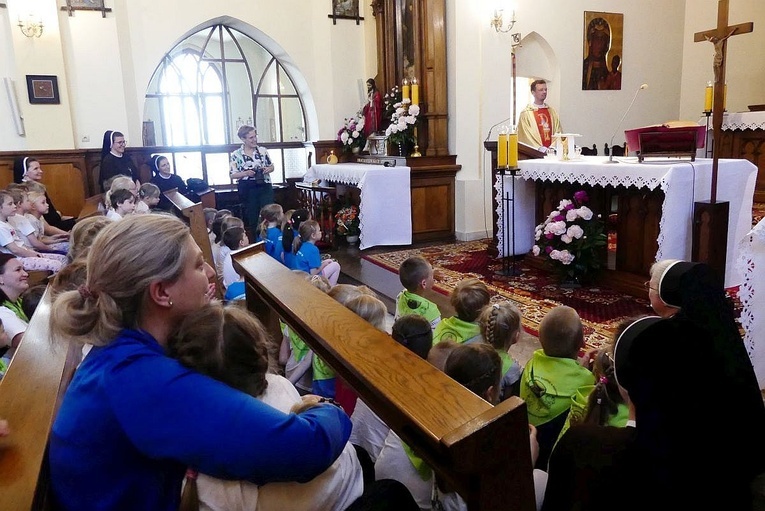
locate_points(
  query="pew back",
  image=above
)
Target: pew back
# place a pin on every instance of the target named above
(30, 394)
(480, 450)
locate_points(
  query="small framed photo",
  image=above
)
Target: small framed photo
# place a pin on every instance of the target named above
(345, 8)
(43, 89)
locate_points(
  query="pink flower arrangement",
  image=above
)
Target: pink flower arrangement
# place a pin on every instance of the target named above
(571, 237)
(352, 133)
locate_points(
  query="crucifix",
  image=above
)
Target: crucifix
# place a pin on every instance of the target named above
(719, 37)
(710, 219)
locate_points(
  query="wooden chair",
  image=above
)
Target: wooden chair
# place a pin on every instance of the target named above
(586, 151)
(319, 201)
(618, 150)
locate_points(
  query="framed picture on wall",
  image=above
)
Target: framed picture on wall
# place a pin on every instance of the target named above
(345, 9)
(602, 49)
(43, 89)
(86, 5)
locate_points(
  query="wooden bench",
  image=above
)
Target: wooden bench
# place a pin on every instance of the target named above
(480, 450)
(30, 394)
(92, 207)
(194, 215)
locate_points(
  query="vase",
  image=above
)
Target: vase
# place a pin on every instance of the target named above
(352, 239)
(355, 149)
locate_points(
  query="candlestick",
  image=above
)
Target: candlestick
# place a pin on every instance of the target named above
(725, 97)
(512, 149)
(502, 150)
(708, 92)
(405, 89)
(415, 92)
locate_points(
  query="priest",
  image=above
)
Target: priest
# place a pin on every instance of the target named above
(538, 121)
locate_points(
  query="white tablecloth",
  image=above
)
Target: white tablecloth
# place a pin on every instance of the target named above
(751, 263)
(385, 211)
(683, 183)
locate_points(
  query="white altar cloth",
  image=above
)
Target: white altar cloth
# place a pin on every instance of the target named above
(682, 182)
(751, 263)
(739, 121)
(385, 211)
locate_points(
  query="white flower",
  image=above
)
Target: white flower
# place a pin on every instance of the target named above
(571, 215)
(360, 124)
(355, 134)
(535, 249)
(553, 214)
(584, 212)
(575, 232)
(414, 110)
(564, 256)
(566, 239)
(563, 203)
(556, 228)
(344, 137)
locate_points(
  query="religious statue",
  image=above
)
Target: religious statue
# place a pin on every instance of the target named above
(372, 109)
(717, 62)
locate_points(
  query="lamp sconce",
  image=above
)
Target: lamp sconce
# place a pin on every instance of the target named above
(31, 27)
(497, 21)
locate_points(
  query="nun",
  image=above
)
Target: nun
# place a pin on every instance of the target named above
(114, 161)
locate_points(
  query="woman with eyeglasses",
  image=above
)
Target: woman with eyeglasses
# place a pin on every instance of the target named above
(113, 159)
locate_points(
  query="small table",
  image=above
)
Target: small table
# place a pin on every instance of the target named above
(385, 211)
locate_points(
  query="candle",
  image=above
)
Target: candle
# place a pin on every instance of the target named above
(725, 97)
(415, 92)
(708, 97)
(502, 150)
(405, 89)
(512, 150)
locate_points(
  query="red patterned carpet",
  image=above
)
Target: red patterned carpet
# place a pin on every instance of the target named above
(535, 292)
(758, 212)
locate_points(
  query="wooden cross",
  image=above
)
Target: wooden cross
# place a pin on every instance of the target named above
(719, 37)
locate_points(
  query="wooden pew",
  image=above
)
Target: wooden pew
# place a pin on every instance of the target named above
(480, 450)
(30, 394)
(91, 207)
(195, 216)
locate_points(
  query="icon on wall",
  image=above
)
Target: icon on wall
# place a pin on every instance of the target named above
(602, 48)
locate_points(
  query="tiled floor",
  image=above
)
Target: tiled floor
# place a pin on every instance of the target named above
(386, 284)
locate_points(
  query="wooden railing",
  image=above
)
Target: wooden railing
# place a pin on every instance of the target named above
(478, 449)
(30, 393)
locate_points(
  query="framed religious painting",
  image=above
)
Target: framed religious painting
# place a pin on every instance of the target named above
(602, 50)
(43, 89)
(86, 5)
(345, 9)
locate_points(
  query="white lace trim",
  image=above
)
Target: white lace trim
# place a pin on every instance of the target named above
(751, 258)
(740, 121)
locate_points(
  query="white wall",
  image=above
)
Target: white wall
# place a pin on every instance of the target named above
(653, 54)
(745, 70)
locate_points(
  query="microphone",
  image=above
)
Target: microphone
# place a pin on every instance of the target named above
(500, 122)
(611, 143)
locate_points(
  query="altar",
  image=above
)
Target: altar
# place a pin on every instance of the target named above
(681, 182)
(385, 211)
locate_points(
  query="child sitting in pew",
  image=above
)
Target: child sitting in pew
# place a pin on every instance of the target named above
(307, 256)
(291, 223)
(227, 223)
(35, 212)
(416, 275)
(501, 328)
(122, 204)
(234, 238)
(294, 353)
(32, 233)
(270, 230)
(229, 344)
(553, 375)
(148, 198)
(468, 298)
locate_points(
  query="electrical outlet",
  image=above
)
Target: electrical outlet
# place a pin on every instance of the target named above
(86, 138)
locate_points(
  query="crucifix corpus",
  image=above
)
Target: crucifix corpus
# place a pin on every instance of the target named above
(710, 219)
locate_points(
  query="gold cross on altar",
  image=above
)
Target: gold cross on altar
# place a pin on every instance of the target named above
(719, 37)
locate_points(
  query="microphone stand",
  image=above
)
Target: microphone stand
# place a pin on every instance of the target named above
(611, 143)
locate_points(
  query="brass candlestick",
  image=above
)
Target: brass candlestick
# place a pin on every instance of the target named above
(416, 152)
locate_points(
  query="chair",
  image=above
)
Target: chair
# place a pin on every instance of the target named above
(618, 149)
(320, 202)
(586, 151)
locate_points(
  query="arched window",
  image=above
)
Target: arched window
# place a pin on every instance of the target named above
(209, 85)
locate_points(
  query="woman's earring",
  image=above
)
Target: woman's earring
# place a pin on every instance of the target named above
(170, 302)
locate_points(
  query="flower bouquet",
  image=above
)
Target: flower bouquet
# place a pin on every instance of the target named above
(352, 134)
(571, 237)
(403, 116)
(347, 221)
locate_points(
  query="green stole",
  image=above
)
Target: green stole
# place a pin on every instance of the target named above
(16, 308)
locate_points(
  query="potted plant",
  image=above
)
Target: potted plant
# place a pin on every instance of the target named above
(348, 223)
(571, 238)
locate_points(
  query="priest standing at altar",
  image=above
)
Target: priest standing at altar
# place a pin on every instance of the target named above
(538, 121)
